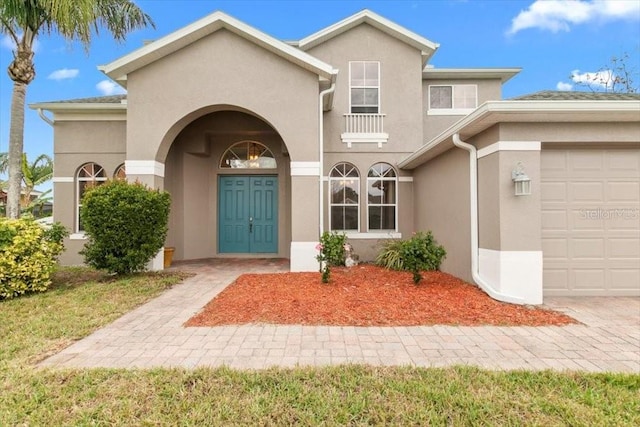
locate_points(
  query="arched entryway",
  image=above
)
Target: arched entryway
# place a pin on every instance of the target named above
(228, 173)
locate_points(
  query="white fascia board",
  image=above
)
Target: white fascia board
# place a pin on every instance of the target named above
(73, 106)
(145, 55)
(493, 112)
(426, 46)
(504, 74)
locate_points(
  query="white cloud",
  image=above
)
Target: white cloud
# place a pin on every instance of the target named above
(603, 78)
(559, 15)
(564, 86)
(64, 73)
(107, 87)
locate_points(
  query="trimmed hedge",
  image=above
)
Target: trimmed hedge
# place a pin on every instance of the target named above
(126, 225)
(28, 255)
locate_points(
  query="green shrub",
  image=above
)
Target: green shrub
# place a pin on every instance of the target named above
(333, 248)
(28, 255)
(126, 225)
(420, 253)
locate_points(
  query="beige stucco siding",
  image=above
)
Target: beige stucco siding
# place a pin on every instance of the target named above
(77, 143)
(220, 71)
(487, 90)
(441, 204)
(192, 171)
(609, 133)
(400, 82)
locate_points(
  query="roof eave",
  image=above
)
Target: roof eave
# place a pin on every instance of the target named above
(76, 107)
(426, 46)
(504, 74)
(488, 114)
(118, 69)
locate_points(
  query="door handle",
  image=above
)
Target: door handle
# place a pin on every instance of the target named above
(250, 224)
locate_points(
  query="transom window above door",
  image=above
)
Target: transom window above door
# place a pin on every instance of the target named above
(248, 155)
(364, 84)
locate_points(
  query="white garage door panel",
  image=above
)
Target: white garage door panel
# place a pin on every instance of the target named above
(591, 221)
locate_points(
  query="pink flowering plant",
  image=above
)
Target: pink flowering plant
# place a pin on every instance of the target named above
(331, 252)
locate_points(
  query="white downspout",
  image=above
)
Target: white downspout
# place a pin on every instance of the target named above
(321, 154)
(45, 118)
(473, 191)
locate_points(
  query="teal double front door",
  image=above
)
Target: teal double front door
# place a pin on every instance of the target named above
(248, 214)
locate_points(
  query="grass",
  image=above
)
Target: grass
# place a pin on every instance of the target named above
(82, 301)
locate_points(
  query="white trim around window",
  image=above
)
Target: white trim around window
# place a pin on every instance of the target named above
(381, 173)
(344, 176)
(364, 86)
(454, 110)
(88, 173)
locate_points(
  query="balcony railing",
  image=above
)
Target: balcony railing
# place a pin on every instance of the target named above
(364, 128)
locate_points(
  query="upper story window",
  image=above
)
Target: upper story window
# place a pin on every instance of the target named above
(382, 197)
(89, 175)
(344, 184)
(452, 99)
(248, 155)
(364, 84)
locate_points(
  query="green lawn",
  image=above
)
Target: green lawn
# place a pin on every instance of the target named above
(81, 301)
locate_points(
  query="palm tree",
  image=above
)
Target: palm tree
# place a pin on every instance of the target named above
(75, 20)
(33, 174)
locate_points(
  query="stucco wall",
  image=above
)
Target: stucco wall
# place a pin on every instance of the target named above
(221, 69)
(192, 173)
(77, 143)
(441, 204)
(488, 90)
(400, 82)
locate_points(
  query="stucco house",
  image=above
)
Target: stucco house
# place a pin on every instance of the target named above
(263, 144)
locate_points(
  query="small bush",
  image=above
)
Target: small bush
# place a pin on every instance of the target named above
(420, 253)
(332, 252)
(28, 255)
(126, 225)
(333, 248)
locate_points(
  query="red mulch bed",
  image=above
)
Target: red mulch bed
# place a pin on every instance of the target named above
(365, 295)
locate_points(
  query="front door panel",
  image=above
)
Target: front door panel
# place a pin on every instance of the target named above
(248, 214)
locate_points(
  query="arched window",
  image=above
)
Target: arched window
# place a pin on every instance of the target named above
(248, 155)
(382, 197)
(89, 175)
(344, 203)
(120, 173)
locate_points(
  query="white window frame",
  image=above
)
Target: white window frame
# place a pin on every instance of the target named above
(453, 111)
(331, 179)
(78, 180)
(122, 168)
(366, 87)
(395, 204)
(249, 163)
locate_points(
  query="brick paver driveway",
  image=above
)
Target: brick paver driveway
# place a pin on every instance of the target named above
(153, 335)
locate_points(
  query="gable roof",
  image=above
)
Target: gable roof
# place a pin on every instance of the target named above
(427, 47)
(166, 45)
(578, 96)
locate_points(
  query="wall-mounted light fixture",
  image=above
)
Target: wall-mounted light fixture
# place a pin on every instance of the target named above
(521, 180)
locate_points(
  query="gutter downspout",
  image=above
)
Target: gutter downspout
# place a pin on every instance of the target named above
(321, 154)
(45, 118)
(473, 191)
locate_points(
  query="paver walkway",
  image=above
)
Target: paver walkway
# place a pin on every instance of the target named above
(153, 336)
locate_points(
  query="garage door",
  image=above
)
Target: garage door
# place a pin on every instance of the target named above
(591, 221)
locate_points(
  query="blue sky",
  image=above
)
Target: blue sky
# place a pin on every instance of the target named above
(549, 39)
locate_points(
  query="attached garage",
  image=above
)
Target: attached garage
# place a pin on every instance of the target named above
(591, 221)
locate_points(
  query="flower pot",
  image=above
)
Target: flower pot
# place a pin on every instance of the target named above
(168, 257)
